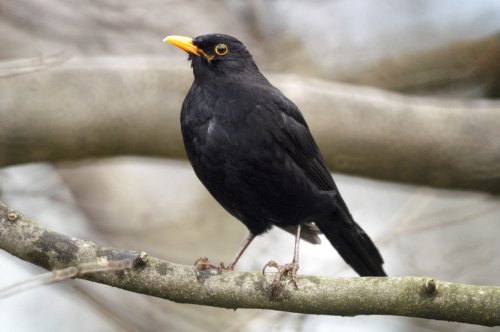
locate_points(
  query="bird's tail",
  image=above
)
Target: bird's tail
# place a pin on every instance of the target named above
(352, 243)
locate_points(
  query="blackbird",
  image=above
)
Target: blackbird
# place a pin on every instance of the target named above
(252, 149)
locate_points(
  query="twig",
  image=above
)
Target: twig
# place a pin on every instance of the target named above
(64, 274)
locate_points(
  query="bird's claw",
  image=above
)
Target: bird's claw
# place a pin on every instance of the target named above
(228, 268)
(283, 271)
(202, 264)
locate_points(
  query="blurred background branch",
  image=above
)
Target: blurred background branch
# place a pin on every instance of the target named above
(363, 131)
(462, 70)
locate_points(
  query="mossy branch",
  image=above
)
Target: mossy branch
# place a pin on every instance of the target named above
(405, 296)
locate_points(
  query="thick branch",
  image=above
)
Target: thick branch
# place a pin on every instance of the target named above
(122, 106)
(408, 296)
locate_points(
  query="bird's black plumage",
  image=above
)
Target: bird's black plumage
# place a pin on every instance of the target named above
(252, 149)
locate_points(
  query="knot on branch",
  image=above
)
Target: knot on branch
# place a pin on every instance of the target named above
(430, 287)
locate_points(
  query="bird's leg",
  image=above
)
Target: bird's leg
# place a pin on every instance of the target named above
(203, 264)
(244, 245)
(287, 269)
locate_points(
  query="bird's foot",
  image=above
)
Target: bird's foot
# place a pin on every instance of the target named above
(283, 271)
(205, 268)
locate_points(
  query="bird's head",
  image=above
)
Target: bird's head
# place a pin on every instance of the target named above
(216, 55)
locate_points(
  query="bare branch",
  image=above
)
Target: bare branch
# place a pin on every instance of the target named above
(66, 273)
(406, 296)
(461, 69)
(24, 66)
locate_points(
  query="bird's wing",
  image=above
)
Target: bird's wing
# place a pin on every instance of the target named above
(284, 122)
(296, 138)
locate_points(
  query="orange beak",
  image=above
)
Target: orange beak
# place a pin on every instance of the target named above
(184, 43)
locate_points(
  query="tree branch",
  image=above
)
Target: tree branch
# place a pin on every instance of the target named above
(125, 106)
(407, 296)
(462, 68)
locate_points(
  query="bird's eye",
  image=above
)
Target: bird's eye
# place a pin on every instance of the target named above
(221, 49)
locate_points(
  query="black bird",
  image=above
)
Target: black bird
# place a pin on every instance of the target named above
(252, 149)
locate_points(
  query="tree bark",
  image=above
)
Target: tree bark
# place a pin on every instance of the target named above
(403, 296)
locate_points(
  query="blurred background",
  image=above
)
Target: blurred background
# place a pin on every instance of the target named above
(446, 50)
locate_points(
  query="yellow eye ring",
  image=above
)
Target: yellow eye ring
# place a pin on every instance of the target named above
(221, 49)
